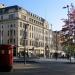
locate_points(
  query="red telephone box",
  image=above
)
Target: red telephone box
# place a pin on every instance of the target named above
(6, 57)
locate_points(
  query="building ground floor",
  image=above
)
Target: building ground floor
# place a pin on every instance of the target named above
(31, 51)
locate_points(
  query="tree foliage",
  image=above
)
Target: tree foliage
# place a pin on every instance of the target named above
(70, 49)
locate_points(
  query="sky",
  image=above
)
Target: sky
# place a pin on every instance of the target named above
(51, 10)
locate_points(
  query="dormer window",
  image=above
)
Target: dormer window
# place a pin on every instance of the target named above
(11, 16)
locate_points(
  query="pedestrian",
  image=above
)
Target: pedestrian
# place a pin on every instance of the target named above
(56, 55)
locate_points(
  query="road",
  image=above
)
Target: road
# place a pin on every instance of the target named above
(44, 68)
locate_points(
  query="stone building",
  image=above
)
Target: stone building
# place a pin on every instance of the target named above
(24, 30)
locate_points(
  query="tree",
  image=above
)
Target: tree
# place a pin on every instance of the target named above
(70, 49)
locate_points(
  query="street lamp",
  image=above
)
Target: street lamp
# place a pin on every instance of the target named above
(67, 7)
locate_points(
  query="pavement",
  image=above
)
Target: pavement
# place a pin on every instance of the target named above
(43, 67)
(24, 66)
(39, 60)
(32, 63)
(53, 60)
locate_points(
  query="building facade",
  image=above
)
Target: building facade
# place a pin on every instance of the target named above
(25, 30)
(56, 41)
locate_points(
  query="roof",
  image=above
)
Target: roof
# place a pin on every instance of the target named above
(5, 10)
(16, 7)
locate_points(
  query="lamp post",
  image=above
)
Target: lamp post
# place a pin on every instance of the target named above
(68, 10)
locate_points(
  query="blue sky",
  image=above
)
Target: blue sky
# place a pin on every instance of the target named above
(51, 10)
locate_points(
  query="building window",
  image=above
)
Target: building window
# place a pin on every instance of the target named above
(2, 26)
(39, 44)
(30, 35)
(34, 21)
(46, 33)
(1, 17)
(26, 42)
(37, 22)
(11, 25)
(21, 42)
(11, 32)
(14, 41)
(32, 28)
(30, 43)
(23, 25)
(21, 32)
(11, 16)
(31, 14)
(2, 33)
(30, 19)
(20, 24)
(14, 32)
(8, 33)
(11, 40)
(8, 41)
